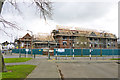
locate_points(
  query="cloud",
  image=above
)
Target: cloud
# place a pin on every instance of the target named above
(95, 15)
(67, 12)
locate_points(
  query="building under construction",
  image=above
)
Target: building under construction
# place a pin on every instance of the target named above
(84, 38)
(37, 41)
(44, 40)
(67, 38)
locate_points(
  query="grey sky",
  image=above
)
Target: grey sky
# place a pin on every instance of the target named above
(91, 15)
(81, 12)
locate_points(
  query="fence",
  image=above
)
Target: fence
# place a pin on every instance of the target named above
(71, 51)
(23, 51)
(87, 52)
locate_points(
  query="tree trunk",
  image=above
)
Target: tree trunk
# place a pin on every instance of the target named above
(1, 4)
(2, 64)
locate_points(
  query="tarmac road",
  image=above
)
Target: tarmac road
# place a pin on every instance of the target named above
(88, 70)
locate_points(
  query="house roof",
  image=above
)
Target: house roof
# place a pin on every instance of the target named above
(88, 33)
(27, 36)
(44, 38)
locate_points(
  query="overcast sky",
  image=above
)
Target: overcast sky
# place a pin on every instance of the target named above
(102, 15)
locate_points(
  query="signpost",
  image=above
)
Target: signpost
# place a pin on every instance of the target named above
(73, 54)
(73, 51)
(66, 56)
(61, 50)
(56, 55)
(34, 53)
(90, 52)
(27, 52)
(48, 50)
(19, 51)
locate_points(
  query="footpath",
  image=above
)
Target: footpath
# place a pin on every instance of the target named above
(44, 69)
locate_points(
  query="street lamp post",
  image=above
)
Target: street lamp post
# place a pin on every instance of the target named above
(112, 50)
(31, 40)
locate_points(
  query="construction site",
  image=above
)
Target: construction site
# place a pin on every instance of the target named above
(66, 38)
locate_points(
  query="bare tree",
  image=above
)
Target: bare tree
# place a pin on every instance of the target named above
(44, 9)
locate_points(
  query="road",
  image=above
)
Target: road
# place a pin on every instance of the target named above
(88, 69)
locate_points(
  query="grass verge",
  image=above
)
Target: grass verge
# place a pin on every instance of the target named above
(115, 59)
(0, 75)
(17, 71)
(15, 60)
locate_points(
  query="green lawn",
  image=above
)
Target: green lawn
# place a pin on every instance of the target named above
(17, 71)
(14, 60)
(115, 59)
(0, 75)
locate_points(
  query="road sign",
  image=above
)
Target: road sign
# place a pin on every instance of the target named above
(51, 50)
(27, 50)
(61, 50)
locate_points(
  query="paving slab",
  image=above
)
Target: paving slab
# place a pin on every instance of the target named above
(45, 69)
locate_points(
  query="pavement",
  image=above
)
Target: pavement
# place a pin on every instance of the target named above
(45, 69)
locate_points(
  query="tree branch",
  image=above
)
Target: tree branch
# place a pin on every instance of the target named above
(44, 7)
(14, 3)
